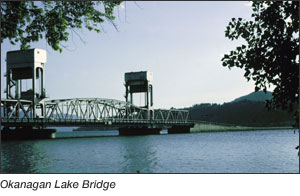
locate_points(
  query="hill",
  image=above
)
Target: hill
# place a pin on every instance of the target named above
(256, 96)
(247, 110)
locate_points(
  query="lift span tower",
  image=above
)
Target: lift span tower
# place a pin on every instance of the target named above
(28, 113)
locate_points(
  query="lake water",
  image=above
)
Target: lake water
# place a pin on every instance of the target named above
(215, 152)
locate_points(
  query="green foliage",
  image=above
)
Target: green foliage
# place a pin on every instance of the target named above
(271, 55)
(26, 22)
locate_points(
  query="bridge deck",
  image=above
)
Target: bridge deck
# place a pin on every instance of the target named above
(91, 122)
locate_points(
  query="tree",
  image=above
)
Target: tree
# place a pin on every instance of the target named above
(271, 55)
(28, 21)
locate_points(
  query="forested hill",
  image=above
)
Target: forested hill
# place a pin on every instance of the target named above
(256, 96)
(242, 111)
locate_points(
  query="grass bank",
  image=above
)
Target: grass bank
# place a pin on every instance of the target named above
(212, 127)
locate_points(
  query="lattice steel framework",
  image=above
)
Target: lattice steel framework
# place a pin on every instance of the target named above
(89, 109)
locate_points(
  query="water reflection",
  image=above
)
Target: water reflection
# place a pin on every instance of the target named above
(22, 157)
(138, 153)
(230, 152)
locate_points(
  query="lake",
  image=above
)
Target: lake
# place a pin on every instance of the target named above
(211, 152)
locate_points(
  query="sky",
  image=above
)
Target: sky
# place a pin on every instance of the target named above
(182, 43)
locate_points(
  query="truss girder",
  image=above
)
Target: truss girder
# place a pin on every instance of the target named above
(16, 109)
(94, 109)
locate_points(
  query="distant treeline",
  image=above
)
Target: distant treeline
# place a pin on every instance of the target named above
(244, 113)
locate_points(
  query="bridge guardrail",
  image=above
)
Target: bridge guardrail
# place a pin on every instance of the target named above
(90, 121)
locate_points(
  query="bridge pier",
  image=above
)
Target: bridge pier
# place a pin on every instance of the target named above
(179, 129)
(130, 131)
(27, 133)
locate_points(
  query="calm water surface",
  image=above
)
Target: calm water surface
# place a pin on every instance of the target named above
(223, 152)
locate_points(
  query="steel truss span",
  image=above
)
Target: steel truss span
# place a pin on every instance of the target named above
(89, 111)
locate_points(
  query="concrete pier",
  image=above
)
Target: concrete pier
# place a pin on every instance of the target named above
(179, 129)
(127, 131)
(27, 133)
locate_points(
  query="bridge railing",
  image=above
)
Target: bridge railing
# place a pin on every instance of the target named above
(80, 122)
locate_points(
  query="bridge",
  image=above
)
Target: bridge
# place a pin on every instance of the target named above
(29, 113)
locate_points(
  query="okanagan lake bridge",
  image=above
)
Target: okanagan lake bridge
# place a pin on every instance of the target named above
(27, 113)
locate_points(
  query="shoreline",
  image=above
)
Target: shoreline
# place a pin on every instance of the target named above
(207, 127)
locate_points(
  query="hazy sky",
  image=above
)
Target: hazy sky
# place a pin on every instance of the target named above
(180, 42)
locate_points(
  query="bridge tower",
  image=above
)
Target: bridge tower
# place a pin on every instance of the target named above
(140, 82)
(24, 65)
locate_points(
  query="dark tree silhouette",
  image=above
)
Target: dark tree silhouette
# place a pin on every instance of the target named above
(271, 55)
(29, 21)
